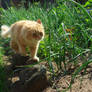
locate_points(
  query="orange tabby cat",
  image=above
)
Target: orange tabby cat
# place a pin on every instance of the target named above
(24, 33)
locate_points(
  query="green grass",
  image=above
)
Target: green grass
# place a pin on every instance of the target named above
(57, 46)
(57, 41)
(3, 85)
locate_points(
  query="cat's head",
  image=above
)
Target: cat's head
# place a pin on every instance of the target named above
(37, 35)
(36, 32)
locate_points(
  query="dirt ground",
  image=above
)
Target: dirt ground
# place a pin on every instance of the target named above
(82, 83)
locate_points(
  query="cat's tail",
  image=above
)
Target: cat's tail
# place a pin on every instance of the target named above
(5, 31)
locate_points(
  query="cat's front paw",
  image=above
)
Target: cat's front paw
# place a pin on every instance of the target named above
(36, 59)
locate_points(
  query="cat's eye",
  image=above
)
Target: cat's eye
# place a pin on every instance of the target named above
(34, 34)
(41, 34)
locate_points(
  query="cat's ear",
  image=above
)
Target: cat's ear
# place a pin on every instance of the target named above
(39, 21)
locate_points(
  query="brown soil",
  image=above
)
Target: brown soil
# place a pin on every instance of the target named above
(59, 83)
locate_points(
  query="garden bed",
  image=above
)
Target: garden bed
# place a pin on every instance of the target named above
(57, 83)
(66, 50)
